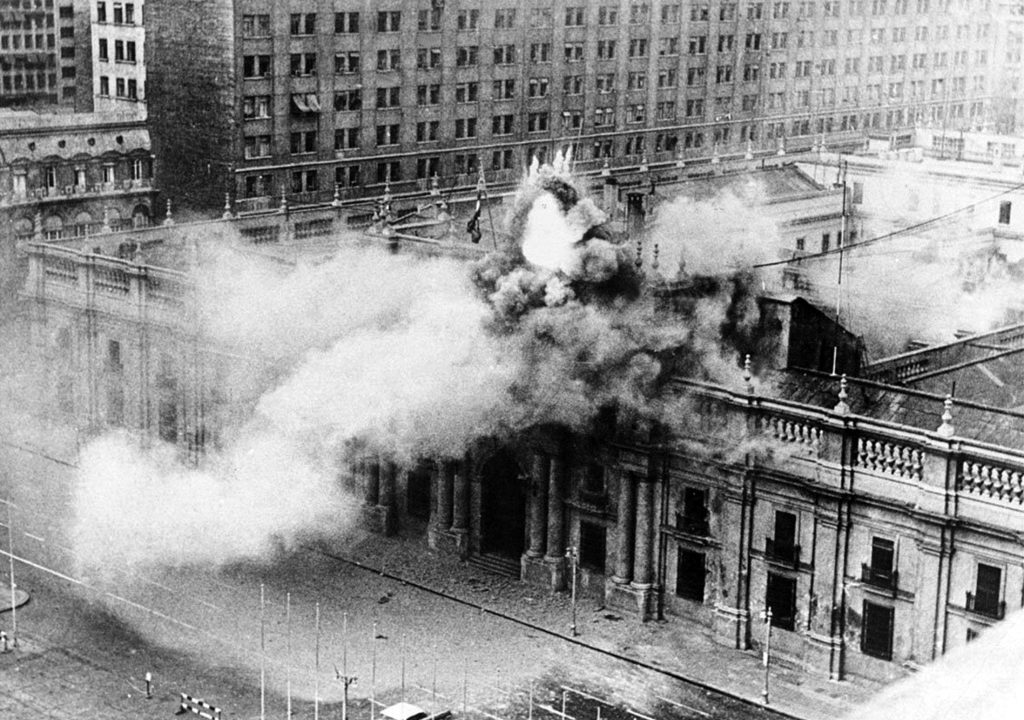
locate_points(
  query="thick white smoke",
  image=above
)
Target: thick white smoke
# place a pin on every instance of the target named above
(142, 507)
(716, 236)
(981, 681)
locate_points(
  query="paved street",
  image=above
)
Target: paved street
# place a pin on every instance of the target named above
(89, 640)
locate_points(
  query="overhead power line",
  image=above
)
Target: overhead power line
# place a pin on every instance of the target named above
(939, 219)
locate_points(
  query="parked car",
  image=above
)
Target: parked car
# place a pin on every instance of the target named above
(408, 711)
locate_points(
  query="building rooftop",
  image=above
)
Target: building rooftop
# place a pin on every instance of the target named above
(768, 183)
(902, 406)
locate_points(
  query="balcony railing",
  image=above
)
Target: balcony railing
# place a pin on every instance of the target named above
(783, 554)
(876, 577)
(986, 604)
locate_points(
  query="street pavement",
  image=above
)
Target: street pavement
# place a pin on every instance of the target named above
(88, 639)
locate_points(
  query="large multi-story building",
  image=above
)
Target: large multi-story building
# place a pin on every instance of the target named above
(261, 98)
(877, 519)
(44, 55)
(69, 175)
(118, 39)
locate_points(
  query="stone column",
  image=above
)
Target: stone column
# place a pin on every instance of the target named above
(460, 500)
(642, 568)
(446, 477)
(371, 481)
(539, 478)
(556, 509)
(460, 509)
(388, 471)
(625, 530)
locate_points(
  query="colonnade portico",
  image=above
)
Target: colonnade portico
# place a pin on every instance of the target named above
(448, 528)
(632, 585)
(379, 507)
(544, 562)
(631, 582)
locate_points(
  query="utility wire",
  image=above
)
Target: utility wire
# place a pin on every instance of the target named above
(894, 234)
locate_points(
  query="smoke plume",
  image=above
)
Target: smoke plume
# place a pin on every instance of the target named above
(406, 357)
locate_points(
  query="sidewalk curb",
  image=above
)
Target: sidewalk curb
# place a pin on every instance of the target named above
(754, 705)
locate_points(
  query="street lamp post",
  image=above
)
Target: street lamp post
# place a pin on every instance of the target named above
(573, 557)
(766, 655)
(10, 557)
(343, 676)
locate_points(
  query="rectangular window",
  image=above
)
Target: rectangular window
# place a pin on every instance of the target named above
(782, 547)
(427, 167)
(467, 55)
(427, 131)
(303, 142)
(465, 128)
(505, 19)
(690, 575)
(428, 58)
(592, 546)
(118, 13)
(1004, 212)
(467, 92)
(389, 59)
(427, 94)
(101, 12)
(429, 20)
(304, 181)
(346, 22)
(388, 97)
(607, 15)
(389, 21)
(502, 124)
(572, 85)
(502, 159)
(348, 100)
(303, 23)
(467, 20)
(780, 597)
(503, 89)
(346, 138)
(104, 52)
(168, 421)
(303, 64)
(574, 16)
(694, 517)
(387, 134)
(605, 49)
(538, 122)
(987, 590)
(505, 55)
(876, 632)
(541, 52)
(256, 66)
(573, 52)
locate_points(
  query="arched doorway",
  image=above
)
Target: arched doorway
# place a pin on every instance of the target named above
(502, 507)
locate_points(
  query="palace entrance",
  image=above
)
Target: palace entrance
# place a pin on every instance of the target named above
(502, 507)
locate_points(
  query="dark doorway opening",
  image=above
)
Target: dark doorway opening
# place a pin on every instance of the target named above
(417, 494)
(502, 507)
(690, 575)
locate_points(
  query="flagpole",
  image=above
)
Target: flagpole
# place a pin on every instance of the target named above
(344, 665)
(10, 557)
(481, 191)
(263, 659)
(316, 676)
(288, 664)
(373, 672)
